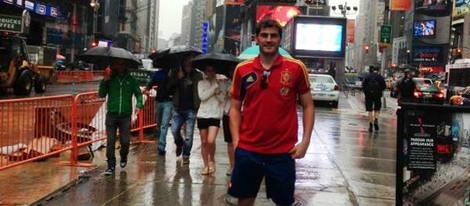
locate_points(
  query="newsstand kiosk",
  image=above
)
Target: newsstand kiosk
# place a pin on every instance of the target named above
(433, 155)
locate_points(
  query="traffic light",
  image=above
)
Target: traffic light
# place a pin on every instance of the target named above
(205, 36)
(366, 49)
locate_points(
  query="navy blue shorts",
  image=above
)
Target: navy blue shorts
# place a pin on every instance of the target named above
(249, 170)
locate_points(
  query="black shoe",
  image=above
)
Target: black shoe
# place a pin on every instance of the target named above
(370, 127)
(123, 163)
(109, 171)
(376, 125)
(179, 150)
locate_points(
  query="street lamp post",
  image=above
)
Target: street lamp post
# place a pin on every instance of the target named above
(345, 9)
(95, 4)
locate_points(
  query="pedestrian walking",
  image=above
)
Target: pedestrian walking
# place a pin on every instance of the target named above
(164, 105)
(209, 116)
(406, 87)
(373, 87)
(263, 120)
(225, 85)
(186, 103)
(119, 87)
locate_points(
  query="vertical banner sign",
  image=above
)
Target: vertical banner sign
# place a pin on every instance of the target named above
(205, 36)
(421, 145)
(350, 30)
(400, 5)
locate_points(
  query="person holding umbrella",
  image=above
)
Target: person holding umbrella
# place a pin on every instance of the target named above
(264, 122)
(209, 115)
(164, 104)
(119, 86)
(186, 103)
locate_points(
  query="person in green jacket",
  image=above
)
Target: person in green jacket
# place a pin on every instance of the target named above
(119, 87)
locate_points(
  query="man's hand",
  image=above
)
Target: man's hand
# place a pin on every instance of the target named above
(137, 111)
(217, 91)
(299, 150)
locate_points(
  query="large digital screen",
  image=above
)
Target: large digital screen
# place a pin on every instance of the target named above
(424, 28)
(318, 37)
(308, 37)
(430, 54)
(433, 7)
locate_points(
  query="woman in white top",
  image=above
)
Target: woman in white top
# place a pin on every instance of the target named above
(208, 116)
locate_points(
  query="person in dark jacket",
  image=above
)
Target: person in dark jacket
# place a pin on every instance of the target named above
(119, 87)
(406, 87)
(164, 105)
(373, 86)
(186, 103)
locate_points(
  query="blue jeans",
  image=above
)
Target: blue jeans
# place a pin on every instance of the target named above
(164, 110)
(180, 117)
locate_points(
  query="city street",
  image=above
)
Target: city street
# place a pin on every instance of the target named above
(345, 165)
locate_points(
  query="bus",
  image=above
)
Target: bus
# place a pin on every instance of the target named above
(457, 76)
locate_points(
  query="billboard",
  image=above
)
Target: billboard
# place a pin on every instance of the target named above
(400, 5)
(350, 30)
(280, 13)
(461, 7)
(232, 30)
(303, 39)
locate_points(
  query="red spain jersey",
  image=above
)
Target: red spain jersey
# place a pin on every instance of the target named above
(269, 120)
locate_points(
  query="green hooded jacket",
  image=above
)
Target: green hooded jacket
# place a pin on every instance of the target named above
(120, 89)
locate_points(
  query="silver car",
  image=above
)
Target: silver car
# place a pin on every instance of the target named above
(324, 88)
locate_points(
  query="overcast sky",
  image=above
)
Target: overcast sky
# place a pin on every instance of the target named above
(171, 12)
(170, 17)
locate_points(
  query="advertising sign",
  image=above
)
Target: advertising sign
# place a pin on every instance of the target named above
(400, 5)
(421, 145)
(461, 8)
(433, 155)
(427, 54)
(10, 23)
(350, 30)
(277, 2)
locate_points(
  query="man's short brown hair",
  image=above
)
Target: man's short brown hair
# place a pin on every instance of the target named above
(269, 23)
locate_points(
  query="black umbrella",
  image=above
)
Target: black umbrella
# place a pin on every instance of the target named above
(173, 57)
(98, 55)
(222, 62)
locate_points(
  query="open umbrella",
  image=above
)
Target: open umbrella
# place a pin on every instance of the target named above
(172, 57)
(252, 52)
(222, 62)
(100, 54)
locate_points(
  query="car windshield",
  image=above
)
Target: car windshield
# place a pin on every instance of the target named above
(425, 85)
(321, 79)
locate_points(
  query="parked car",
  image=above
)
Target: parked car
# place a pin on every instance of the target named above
(427, 92)
(323, 87)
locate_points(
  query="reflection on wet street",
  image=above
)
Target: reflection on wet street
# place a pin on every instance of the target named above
(345, 165)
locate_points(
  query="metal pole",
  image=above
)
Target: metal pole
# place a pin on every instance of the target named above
(74, 29)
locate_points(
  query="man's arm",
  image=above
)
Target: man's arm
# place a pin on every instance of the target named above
(308, 118)
(235, 120)
(103, 88)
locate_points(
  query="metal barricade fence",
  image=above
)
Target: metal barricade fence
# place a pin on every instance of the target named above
(28, 128)
(73, 76)
(37, 128)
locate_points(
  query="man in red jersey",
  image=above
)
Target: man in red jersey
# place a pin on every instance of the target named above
(263, 120)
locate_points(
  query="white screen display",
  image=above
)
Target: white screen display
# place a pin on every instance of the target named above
(318, 37)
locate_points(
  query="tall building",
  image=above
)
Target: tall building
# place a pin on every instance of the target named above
(197, 17)
(368, 23)
(186, 24)
(139, 31)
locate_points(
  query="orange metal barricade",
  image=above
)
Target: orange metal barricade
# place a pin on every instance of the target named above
(28, 128)
(37, 128)
(74, 76)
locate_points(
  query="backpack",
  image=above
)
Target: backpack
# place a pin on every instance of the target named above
(373, 88)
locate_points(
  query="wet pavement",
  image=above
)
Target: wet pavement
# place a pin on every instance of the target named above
(345, 165)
